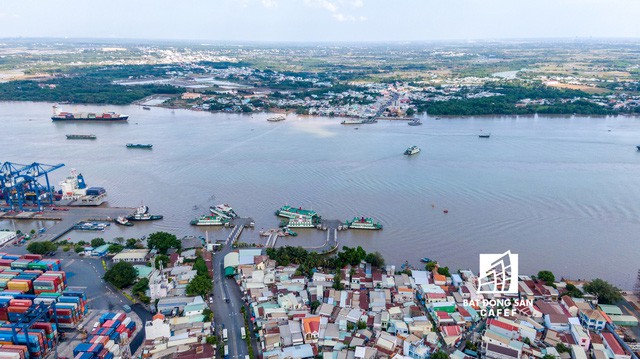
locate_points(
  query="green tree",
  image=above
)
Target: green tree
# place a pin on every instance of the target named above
(140, 286)
(604, 291)
(314, 305)
(375, 259)
(121, 275)
(162, 241)
(361, 325)
(561, 348)
(161, 258)
(337, 278)
(439, 355)
(547, 277)
(410, 111)
(212, 340)
(444, 271)
(200, 285)
(131, 243)
(119, 240)
(572, 291)
(41, 247)
(78, 248)
(208, 314)
(97, 242)
(548, 356)
(430, 266)
(201, 266)
(115, 248)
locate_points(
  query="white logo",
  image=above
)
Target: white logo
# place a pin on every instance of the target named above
(498, 273)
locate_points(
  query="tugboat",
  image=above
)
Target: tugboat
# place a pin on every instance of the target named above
(212, 220)
(142, 214)
(362, 223)
(412, 150)
(415, 122)
(223, 210)
(123, 221)
(292, 212)
(140, 145)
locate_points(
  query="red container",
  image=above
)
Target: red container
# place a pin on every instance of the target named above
(20, 302)
(32, 256)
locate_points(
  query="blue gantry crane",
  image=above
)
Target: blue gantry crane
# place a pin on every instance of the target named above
(21, 185)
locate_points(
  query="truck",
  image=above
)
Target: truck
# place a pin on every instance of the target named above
(224, 334)
(243, 334)
(226, 352)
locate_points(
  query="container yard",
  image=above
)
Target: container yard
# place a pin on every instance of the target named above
(35, 305)
(108, 338)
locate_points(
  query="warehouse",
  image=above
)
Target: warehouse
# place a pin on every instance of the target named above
(131, 256)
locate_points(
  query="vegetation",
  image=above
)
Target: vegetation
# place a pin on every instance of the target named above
(162, 241)
(131, 243)
(200, 285)
(444, 271)
(440, 355)
(604, 291)
(561, 348)
(41, 247)
(115, 248)
(201, 266)
(97, 242)
(139, 289)
(572, 291)
(431, 266)
(161, 258)
(547, 277)
(121, 275)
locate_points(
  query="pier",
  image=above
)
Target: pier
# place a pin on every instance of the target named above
(329, 245)
(67, 217)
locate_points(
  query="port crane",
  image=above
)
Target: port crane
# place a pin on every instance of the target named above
(21, 185)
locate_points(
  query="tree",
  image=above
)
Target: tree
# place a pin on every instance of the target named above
(547, 277)
(444, 271)
(121, 275)
(375, 259)
(201, 266)
(97, 242)
(561, 348)
(337, 278)
(572, 291)
(200, 285)
(41, 247)
(212, 340)
(161, 258)
(604, 291)
(410, 111)
(131, 243)
(361, 325)
(115, 248)
(430, 266)
(314, 305)
(208, 314)
(140, 287)
(162, 241)
(440, 355)
(119, 240)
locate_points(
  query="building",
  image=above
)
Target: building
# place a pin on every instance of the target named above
(6, 236)
(100, 251)
(131, 256)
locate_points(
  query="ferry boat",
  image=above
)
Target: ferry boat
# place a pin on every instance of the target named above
(300, 222)
(212, 220)
(352, 122)
(81, 137)
(412, 150)
(276, 118)
(139, 145)
(74, 190)
(123, 221)
(363, 223)
(415, 122)
(223, 210)
(142, 214)
(89, 116)
(485, 135)
(292, 212)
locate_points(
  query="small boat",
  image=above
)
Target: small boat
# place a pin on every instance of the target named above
(412, 150)
(362, 223)
(140, 145)
(485, 135)
(142, 214)
(638, 147)
(425, 260)
(415, 122)
(81, 137)
(276, 118)
(352, 122)
(123, 221)
(146, 108)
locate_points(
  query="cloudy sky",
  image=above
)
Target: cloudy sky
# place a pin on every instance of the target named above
(321, 20)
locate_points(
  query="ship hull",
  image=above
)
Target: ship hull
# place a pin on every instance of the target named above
(117, 119)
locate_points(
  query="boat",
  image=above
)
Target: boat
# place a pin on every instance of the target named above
(292, 212)
(146, 108)
(352, 122)
(142, 214)
(140, 145)
(81, 137)
(638, 147)
(87, 116)
(415, 122)
(223, 210)
(301, 222)
(485, 135)
(412, 150)
(211, 220)
(289, 232)
(425, 260)
(276, 118)
(90, 226)
(362, 223)
(74, 189)
(123, 221)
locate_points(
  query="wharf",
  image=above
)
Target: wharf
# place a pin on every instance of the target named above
(329, 245)
(67, 217)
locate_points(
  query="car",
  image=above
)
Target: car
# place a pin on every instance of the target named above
(211, 300)
(126, 308)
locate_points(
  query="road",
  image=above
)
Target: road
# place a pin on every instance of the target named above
(227, 314)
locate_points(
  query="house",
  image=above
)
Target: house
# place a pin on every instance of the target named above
(493, 351)
(131, 256)
(157, 327)
(311, 328)
(592, 319)
(610, 342)
(580, 336)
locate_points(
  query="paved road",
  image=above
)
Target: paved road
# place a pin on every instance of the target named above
(227, 314)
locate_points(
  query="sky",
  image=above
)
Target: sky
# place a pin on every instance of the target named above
(320, 20)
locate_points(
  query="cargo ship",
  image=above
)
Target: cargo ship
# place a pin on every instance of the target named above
(292, 212)
(87, 116)
(142, 214)
(362, 223)
(223, 210)
(352, 122)
(81, 137)
(139, 145)
(74, 190)
(412, 150)
(212, 220)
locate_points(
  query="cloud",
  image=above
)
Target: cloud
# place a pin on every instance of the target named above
(269, 3)
(344, 18)
(334, 6)
(323, 4)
